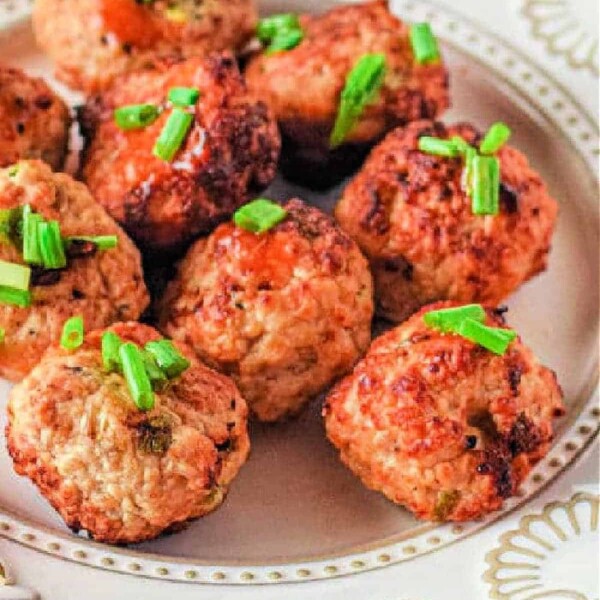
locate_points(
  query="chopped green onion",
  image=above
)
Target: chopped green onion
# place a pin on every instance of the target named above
(269, 27)
(11, 225)
(168, 358)
(172, 135)
(31, 241)
(437, 146)
(285, 40)
(136, 377)
(16, 297)
(259, 216)
(2, 335)
(136, 116)
(467, 174)
(362, 85)
(51, 245)
(111, 343)
(495, 138)
(462, 146)
(485, 180)
(448, 319)
(183, 96)
(157, 377)
(494, 339)
(424, 43)
(13, 170)
(103, 242)
(14, 276)
(72, 333)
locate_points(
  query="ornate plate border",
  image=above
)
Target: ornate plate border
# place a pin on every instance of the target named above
(581, 131)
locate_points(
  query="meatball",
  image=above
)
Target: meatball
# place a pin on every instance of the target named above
(303, 87)
(34, 121)
(101, 286)
(229, 155)
(93, 41)
(441, 425)
(121, 474)
(409, 214)
(284, 313)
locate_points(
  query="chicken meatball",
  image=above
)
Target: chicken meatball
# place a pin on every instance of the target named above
(34, 121)
(229, 155)
(119, 473)
(303, 87)
(103, 286)
(441, 425)
(284, 313)
(93, 41)
(410, 215)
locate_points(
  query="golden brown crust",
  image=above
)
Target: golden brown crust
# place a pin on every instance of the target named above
(284, 313)
(94, 41)
(228, 157)
(103, 288)
(34, 121)
(75, 432)
(410, 216)
(441, 425)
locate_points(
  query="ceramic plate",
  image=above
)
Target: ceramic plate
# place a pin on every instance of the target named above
(295, 513)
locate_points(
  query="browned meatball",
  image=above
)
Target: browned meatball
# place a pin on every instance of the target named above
(303, 87)
(441, 425)
(408, 212)
(284, 313)
(34, 121)
(101, 286)
(108, 468)
(229, 155)
(93, 41)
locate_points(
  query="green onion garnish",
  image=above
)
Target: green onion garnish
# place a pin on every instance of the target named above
(362, 85)
(155, 373)
(448, 319)
(72, 333)
(495, 138)
(485, 179)
(111, 343)
(102, 242)
(280, 32)
(51, 245)
(172, 135)
(136, 377)
(285, 40)
(462, 146)
(16, 297)
(2, 335)
(32, 253)
(494, 339)
(14, 276)
(424, 43)
(437, 146)
(467, 174)
(167, 357)
(184, 96)
(11, 225)
(13, 170)
(259, 216)
(136, 116)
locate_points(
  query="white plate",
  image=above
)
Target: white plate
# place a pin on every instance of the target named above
(295, 513)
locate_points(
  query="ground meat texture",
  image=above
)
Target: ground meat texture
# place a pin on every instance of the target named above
(431, 420)
(409, 214)
(34, 121)
(93, 41)
(303, 88)
(228, 157)
(103, 287)
(124, 475)
(284, 313)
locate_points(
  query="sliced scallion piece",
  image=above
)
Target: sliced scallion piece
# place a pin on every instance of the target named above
(111, 343)
(184, 96)
(259, 216)
(157, 377)
(136, 116)
(31, 242)
(497, 135)
(103, 242)
(424, 43)
(15, 297)
(173, 134)
(494, 339)
(269, 27)
(14, 276)
(2, 335)
(485, 179)
(136, 377)
(51, 245)
(438, 146)
(167, 357)
(72, 333)
(448, 319)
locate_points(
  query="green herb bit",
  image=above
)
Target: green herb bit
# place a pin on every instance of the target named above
(167, 357)
(438, 146)
(494, 339)
(2, 335)
(362, 85)
(102, 242)
(136, 116)
(136, 377)
(446, 502)
(15, 297)
(51, 245)
(32, 253)
(448, 319)
(497, 135)
(111, 343)
(173, 134)
(157, 376)
(72, 333)
(285, 40)
(461, 145)
(11, 225)
(13, 170)
(259, 216)
(15, 276)
(424, 43)
(184, 96)
(485, 178)
(467, 174)
(269, 27)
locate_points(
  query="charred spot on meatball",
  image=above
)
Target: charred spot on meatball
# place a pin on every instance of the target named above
(155, 434)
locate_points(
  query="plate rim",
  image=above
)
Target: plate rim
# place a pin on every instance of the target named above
(584, 428)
